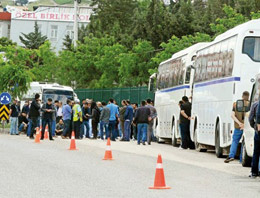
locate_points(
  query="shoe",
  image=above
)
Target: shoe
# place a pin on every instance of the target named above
(31, 137)
(138, 143)
(149, 143)
(52, 139)
(253, 175)
(42, 138)
(122, 140)
(63, 137)
(229, 159)
(17, 134)
(144, 143)
(113, 140)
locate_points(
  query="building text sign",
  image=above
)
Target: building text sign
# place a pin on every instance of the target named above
(49, 16)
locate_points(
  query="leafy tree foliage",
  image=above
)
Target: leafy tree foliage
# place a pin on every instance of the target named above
(34, 39)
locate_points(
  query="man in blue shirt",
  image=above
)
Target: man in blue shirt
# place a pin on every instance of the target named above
(129, 114)
(66, 111)
(112, 119)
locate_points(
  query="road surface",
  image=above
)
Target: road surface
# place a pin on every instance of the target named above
(50, 170)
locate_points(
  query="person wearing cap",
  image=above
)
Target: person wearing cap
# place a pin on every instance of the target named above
(14, 112)
(77, 118)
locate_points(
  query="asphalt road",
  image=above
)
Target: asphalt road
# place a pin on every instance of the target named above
(49, 170)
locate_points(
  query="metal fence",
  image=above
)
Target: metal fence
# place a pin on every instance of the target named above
(134, 94)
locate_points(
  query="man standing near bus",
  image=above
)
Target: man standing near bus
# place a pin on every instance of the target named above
(185, 117)
(77, 118)
(150, 124)
(238, 118)
(48, 117)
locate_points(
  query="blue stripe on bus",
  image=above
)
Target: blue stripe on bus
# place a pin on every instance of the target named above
(176, 88)
(219, 81)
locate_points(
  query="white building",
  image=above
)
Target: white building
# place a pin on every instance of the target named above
(54, 21)
(5, 24)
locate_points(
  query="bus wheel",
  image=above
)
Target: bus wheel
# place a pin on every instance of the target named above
(198, 146)
(246, 160)
(218, 149)
(174, 139)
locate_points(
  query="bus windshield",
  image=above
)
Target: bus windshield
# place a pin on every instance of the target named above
(60, 95)
(251, 47)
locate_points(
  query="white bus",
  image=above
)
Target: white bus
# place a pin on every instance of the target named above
(46, 90)
(174, 80)
(223, 70)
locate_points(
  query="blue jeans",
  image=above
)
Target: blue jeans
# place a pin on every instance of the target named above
(112, 129)
(21, 127)
(256, 155)
(85, 123)
(127, 130)
(14, 125)
(102, 126)
(66, 127)
(29, 127)
(142, 131)
(53, 127)
(235, 141)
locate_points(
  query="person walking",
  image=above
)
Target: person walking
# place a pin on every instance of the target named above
(112, 118)
(14, 113)
(238, 118)
(122, 119)
(128, 117)
(95, 118)
(66, 114)
(77, 118)
(151, 122)
(254, 120)
(48, 117)
(85, 123)
(34, 114)
(142, 118)
(104, 121)
(185, 117)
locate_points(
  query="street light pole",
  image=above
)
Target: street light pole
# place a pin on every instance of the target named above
(75, 23)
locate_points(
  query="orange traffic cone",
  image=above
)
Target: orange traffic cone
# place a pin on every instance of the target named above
(72, 142)
(108, 153)
(37, 138)
(46, 135)
(159, 181)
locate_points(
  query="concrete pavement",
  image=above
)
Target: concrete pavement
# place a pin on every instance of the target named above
(49, 169)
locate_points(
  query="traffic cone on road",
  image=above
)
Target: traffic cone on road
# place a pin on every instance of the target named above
(37, 138)
(159, 181)
(72, 142)
(108, 153)
(46, 135)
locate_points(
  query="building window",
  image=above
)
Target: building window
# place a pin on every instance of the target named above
(54, 32)
(70, 32)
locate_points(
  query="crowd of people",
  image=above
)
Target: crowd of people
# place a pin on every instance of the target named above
(88, 119)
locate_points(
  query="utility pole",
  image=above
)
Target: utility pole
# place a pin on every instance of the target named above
(75, 22)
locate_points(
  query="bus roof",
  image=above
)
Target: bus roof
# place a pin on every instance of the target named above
(45, 85)
(190, 51)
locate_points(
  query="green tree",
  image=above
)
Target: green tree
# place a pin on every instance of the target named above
(6, 42)
(67, 43)
(34, 39)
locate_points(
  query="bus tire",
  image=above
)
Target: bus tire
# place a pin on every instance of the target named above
(218, 149)
(174, 139)
(246, 160)
(197, 144)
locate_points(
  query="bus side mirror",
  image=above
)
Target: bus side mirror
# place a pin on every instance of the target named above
(151, 84)
(240, 106)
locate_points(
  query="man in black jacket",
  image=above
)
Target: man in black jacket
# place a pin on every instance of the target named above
(34, 113)
(48, 117)
(142, 118)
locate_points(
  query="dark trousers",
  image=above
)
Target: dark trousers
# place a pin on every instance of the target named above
(34, 121)
(94, 128)
(112, 129)
(76, 127)
(185, 136)
(44, 123)
(256, 155)
(66, 127)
